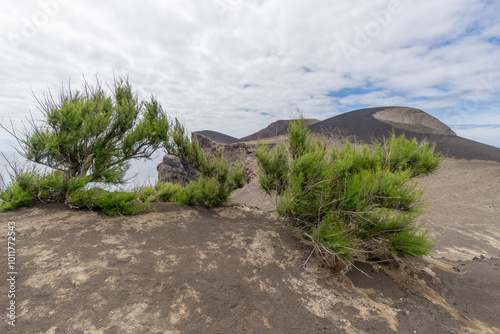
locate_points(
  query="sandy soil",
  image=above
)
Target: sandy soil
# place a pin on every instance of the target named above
(464, 208)
(239, 270)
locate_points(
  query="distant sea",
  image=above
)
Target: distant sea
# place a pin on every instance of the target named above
(142, 172)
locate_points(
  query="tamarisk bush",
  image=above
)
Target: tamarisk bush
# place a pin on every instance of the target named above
(90, 136)
(352, 203)
(93, 134)
(216, 180)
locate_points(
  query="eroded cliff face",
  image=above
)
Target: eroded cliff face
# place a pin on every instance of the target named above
(174, 170)
(415, 120)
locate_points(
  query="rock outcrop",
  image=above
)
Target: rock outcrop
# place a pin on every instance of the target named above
(241, 152)
(174, 170)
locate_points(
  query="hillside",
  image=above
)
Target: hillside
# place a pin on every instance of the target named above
(218, 137)
(275, 129)
(365, 125)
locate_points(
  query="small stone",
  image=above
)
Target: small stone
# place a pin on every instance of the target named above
(483, 257)
(402, 312)
(3, 318)
(492, 258)
(413, 292)
(476, 258)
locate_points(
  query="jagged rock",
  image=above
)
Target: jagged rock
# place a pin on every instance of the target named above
(174, 170)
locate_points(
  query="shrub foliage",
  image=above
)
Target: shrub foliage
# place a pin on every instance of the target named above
(217, 178)
(350, 201)
(89, 136)
(88, 133)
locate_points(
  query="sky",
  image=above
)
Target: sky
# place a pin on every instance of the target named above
(235, 66)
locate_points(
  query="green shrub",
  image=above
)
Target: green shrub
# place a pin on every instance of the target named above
(236, 177)
(167, 192)
(411, 243)
(94, 133)
(332, 236)
(91, 136)
(29, 187)
(51, 187)
(15, 197)
(114, 203)
(160, 192)
(273, 168)
(206, 192)
(217, 179)
(146, 194)
(400, 153)
(350, 200)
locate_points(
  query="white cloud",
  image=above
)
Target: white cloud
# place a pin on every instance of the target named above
(234, 66)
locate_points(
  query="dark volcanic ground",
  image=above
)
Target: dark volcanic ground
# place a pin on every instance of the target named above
(230, 270)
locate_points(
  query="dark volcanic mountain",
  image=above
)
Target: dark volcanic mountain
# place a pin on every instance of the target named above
(218, 137)
(378, 123)
(366, 125)
(275, 129)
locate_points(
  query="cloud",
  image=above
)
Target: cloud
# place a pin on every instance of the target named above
(234, 66)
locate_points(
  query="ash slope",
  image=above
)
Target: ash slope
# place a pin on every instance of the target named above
(218, 137)
(275, 129)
